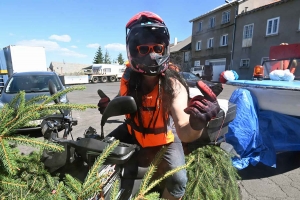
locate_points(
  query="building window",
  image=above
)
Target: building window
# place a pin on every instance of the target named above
(272, 26)
(212, 22)
(248, 31)
(210, 43)
(186, 56)
(107, 69)
(224, 40)
(225, 17)
(245, 63)
(200, 27)
(198, 45)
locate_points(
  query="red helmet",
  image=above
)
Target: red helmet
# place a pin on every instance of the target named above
(147, 43)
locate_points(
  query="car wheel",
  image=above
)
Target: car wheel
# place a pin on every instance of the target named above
(103, 79)
(95, 79)
(112, 78)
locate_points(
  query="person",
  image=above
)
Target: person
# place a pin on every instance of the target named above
(165, 115)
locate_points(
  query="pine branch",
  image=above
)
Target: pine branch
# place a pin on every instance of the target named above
(42, 144)
(69, 193)
(211, 175)
(115, 190)
(74, 184)
(7, 157)
(36, 99)
(145, 188)
(152, 169)
(99, 161)
(18, 113)
(153, 195)
(60, 93)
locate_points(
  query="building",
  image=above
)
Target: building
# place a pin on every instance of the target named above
(180, 53)
(259, 29)
(213, 35)
(62, 68)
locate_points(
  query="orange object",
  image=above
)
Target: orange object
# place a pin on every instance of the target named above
(156, 132)
(258, 72)
(127, 64)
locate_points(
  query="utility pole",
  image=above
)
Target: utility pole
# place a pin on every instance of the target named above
(234, 30)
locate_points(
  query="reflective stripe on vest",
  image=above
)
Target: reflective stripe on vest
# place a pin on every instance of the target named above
(155, 131)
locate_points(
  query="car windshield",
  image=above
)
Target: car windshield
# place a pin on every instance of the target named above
(31, 83)
(189, 76)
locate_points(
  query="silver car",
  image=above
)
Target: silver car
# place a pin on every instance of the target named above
(34, 84)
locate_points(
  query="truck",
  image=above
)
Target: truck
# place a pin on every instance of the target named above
(18, 58)
(104, 72)
(3, 70)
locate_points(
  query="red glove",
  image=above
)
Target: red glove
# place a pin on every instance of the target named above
(103, 102)
(202, 108)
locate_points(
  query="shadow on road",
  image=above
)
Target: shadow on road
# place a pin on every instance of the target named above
(286, 161)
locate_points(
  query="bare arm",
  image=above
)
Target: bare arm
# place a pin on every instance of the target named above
(181, 119)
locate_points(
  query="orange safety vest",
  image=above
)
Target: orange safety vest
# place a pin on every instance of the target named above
(154, 120)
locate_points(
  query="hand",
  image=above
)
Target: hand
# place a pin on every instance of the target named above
(103, 102)
(202, 108)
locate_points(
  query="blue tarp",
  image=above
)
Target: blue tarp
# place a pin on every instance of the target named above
(257, 135)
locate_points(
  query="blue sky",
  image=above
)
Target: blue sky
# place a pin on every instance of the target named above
(72, 30)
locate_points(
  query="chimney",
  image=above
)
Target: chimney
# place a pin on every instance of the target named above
(175, 41)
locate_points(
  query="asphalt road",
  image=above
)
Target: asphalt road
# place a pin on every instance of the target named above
(257, 183)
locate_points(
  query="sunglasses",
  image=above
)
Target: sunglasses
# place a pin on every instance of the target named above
(145, 49)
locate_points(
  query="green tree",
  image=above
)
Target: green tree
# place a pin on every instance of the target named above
(120, 59)
(98, 59)
(107, 58)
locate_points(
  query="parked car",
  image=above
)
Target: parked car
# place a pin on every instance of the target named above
(198, 71)
(34, 84)
(190, 78)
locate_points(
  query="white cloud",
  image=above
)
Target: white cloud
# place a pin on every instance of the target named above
(116, 47)
(11, 34)
(68, 52)
(61, 38)
(51, 46)
(93, 46)
(74, 47)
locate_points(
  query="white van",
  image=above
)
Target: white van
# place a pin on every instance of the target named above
(198, 71)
